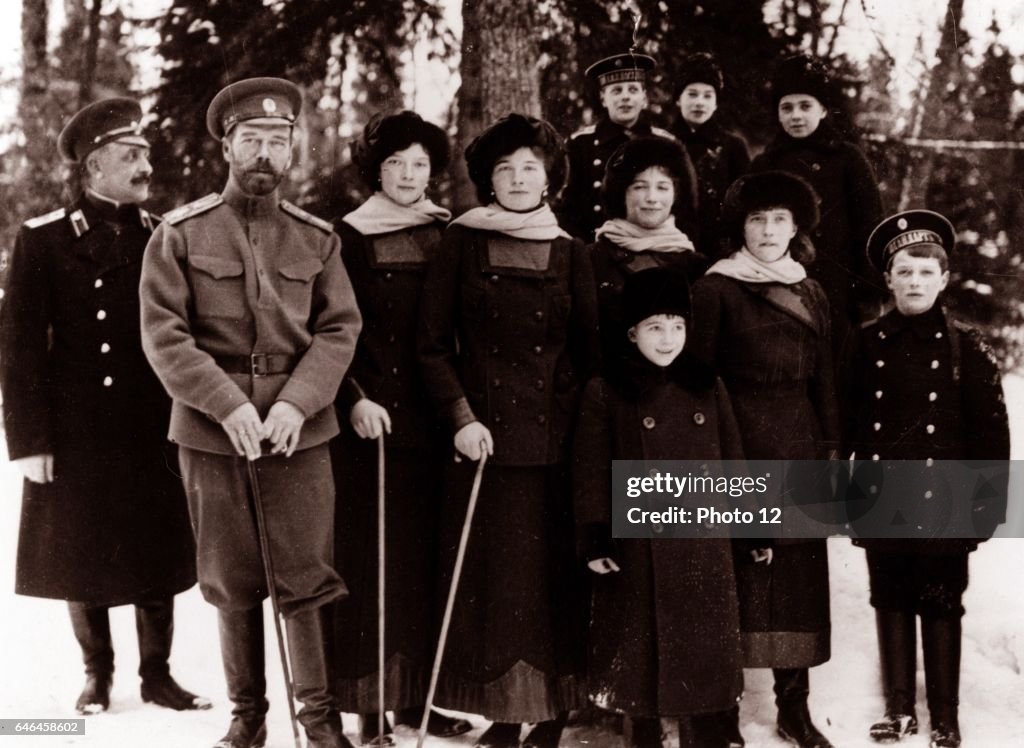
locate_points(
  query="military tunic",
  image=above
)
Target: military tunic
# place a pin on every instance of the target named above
(925, 389)
(245, 299)
(387, 272)
(581, 212)
(112, 527)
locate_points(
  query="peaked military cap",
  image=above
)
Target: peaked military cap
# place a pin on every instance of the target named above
(100, 123)
(628, 66)
(270, 100)
(911, 228)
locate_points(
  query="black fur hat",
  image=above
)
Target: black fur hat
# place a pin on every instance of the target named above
(699, 67)
(508, 135)
(638, 155)
(800, 74)
(385, 135)
(769, 189)
(655, 291)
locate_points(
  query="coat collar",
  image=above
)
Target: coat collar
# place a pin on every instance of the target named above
(607, 130)
(250, 206)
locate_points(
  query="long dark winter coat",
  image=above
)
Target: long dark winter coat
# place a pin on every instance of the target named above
(612, 265)
(508, 334)
(664, 631)
(112, 528)
(582, 212)
(769, 343)
(850, 209)
(387, 273)
(719, 157)
(925, 387)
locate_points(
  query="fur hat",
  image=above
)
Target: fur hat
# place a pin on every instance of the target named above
(508, 135)
(655, 291)
(801, 74)
(638, 155)
(699, 67)
(386, 135)
(769, 189)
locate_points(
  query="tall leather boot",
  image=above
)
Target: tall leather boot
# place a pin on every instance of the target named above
(940, 642)
(154, 623)
(897, 653)
(792, 687)
(92, 630)
(241, 649)
(309, 677)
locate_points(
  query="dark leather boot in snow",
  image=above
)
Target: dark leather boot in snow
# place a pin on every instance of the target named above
(500, 735)
(154, 623)
(92, 630)
(646, 732)
(897, 651)
(241, 649)
(368, 724)
(794, 721)
(438, 725)
(940, 643)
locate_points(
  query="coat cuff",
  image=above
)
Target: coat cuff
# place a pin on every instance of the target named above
(460, 414)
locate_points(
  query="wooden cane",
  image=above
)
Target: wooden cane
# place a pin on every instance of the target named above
(452, 589)
(268, 568)
(380, 590)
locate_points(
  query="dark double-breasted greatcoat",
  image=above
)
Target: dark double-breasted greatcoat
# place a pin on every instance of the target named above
(769, 342)
(850, 208)
(719, 157)
(926, 389)
(664, 633)
(582, 212)
(508, 335)
(387, 273)
(112, 527)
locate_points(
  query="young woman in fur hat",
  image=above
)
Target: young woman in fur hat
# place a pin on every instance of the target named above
(810, 147)
(649, 196)
(387, 243)
(508, 336)
(719, 156)
(664, 637)
(763, 326)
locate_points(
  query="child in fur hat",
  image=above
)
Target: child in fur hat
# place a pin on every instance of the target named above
(664, 636)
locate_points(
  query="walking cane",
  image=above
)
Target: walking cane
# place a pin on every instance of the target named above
(380, 590)
(268, 568)
(452, 589)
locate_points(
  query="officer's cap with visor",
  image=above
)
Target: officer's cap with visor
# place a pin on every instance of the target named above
(116, 120)
(264, 101)
(911, 228)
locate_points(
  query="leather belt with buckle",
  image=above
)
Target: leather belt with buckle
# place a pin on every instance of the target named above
(259, 364)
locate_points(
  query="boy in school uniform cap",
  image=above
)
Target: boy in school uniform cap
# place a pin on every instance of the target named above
(924, 388)
(250, 322)
(622, 83)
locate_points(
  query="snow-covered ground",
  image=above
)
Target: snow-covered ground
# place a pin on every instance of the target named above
(41, 674)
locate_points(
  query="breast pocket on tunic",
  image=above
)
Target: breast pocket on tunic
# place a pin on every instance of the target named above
(219, 286)
(297, 285)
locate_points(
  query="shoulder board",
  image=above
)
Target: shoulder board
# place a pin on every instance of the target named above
(194, 208)
(869, 324)
(588, 130)
(296, 212)
(663, 133)
(53, 215)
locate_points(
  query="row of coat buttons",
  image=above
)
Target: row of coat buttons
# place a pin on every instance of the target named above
(105, 347)
(649, 422)
(541, 419)
(930, 428)
(935, 363)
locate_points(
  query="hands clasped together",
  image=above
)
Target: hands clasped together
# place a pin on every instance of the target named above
(281, 428)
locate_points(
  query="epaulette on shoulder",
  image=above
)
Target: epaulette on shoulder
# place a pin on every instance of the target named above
(193, 208)
(149, 220)
(587, 130)
(869, 324)
(663, 133)
(296, 212)
(53, 215)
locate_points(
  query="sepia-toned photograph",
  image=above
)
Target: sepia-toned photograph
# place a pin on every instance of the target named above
(500, 374)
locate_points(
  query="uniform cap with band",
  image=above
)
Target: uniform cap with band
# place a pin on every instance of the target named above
(911, 228)
(268, 101)
(628, 66)
(107, 121)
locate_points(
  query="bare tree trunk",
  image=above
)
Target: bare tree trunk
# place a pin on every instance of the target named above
(35, 173)
(500, 74)
(91, 45)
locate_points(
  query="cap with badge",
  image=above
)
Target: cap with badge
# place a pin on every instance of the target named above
(628, 66)
(267, 101)
(107, 121)
(910, 228)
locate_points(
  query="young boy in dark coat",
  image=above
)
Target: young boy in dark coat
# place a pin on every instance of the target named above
(664, 633)
(925, 388)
